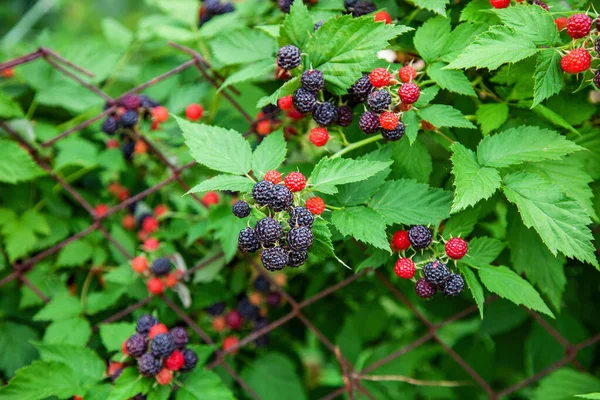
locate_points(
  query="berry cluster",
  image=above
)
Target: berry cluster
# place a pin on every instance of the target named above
(158, 352)
(579, 28)
(436, 274)
(159, 273)
(212, 8)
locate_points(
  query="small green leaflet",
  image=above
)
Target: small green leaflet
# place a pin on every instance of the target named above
(549, 79)
(473, 13)
(330, 172)
(431, 38)
(88, 366)
(16, 345)
(364, 224)
(427, 95)
(531, 22)
(461, 224)
(113, 335)
(442, 115)
(297, 26)
(553, 117)
(411, 122)
(234, 183)
(491, 116)
(462, 36)
(566, 383)
(269, 154)
(75, 331)
(75, 254)
(472, 181)
(483, 251)
(561, 222)
(62, 306)
(40, 380)
(451, 80)
(535, 144)
(322, 246)
(201, 384)
(284, 90)
(437, 6)
(499, 45)
(284, 380)
(508, 285)
(474, 285)
(253, 72)
(15, 163)
(243, 46)
(217, 148)
(412, 161)
(411, 203)
(130, 383)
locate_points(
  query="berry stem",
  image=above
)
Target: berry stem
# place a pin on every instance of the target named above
(333, 208)
(357, 145)
(249, 177)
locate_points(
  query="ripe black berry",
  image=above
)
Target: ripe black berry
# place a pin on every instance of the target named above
(110, 126)
(361, 89)
(263, 340)
(300, 216)
(262, 192)
(420, 236)
(284, 5)
(304, 100)
(288, 57)
(127, 149)
(312, 80)
(129, 119)
(597, 42)
(394, 134)
(136, 345)
(148, 365)
(345, 116)
(216, 309)
(262, 284)
(454, 285)
(241, 209)
(248, 241)
(360, 8)
(436, 272)
(369, 122)
(268, 231)
(131, 101)
(379, 100)
(248, 310)
(424, 289)
(161, 266)
(147, 102)
(282, 198)
(144, 323)
(300, 239)
(325, 114)
(597, 78)
(274, 259)
(162, 345)
(180, 337)
(297, 258)
(191, 359)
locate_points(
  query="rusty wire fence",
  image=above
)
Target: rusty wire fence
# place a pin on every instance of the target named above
(352, 378)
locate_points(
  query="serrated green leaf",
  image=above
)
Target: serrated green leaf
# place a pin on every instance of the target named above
(431, 38)
(534, 144)
(269, 154)
(565, 384)
(243, 46)
(62, 306)
(483, 251)
(442, 115)
(16, 347)
(297, 26)
(217, 148)
(40, 380)
(75, 151)
(461, 224)
(474, 286)
(531, 22)
(129, 384)
(284, 90)
(15, 164)
(88, 367)
(201, 384)
(451, 80)
(427, 95)
(411, 123)
(75, 254)
(437, 6)
(472, 182)
(361, 223)
(412, 161)
(508, 285)
(234, 183)
(330, 172)
(250, 73)
(75, 331)
(420, 203)
(499, 45)
(113, 335)
(322, 246)
(561, 222)
(491, 116)
(473, 12)
(553, 117)
(549, 79)
(284, 378)
(461, 36)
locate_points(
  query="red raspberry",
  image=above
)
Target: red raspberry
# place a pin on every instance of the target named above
(175, 361)
(315, 205)
(114, 368)
(171, 280)
(576, 61)
(407, 73)
(160, 114)
(164, 377)
(8, 73)
(124, 347)
(285, 103)
(123, 195)
(151, 244)
(319, 136)
(400, 241)
(409, 93)
(273, 177)
(210, 198)
(112, 144)
(579, 25)
(380, 77)
(194, 112)
(405, 268)
(128, 222)
(500, 3)
(388, 120)
(456, 248)
(561, 23)
(101, 209)
(77, 397)
(229, 342)
(234, 319)
(295, 181)
(139, 264)
(157, 329)
(150, 224)
(383, 16)
(155, 286)
(295, 114)
(263, 128)
(160, 210)
(219, 324)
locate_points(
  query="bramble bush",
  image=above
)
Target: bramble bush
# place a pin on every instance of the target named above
(402, 161)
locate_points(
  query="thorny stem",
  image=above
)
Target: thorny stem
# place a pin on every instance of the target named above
(357, 145)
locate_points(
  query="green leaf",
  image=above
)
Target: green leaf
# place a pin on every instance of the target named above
(592, 396)
(352, 46)
(451, 80)
(491, 116)
(411, 123)
(461, 224)
(473, 12)
(15, 163)
(16, 347)
(427, 95)
(431, 38)
(159, 393)
(116, 34)
(561, 222)
(269, 154)
(250, 73)
(462, 36)
(322, 245)
(282, 374)
(437, 6)
(473, 182)
(499, 45)
(284, 90)
(113, 335)
(62, 306)
(88, 367)
(483, 251)
(474, 286)
(441, 115)
(531, 22)
(9, 108)
(74, 331)
(242, 46)
(217, 148)
(40, 380)
(419, 204)
(549, 79)
(553, 117)
(201, 384)
(128, 384)
(412, 161)
(75, 254)
(330, 172)
(363, 224)
(297, 26)
(234, 183)
(564, 384)
(534, 144)
(508, 285)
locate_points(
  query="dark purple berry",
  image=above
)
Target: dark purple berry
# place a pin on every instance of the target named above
(369, 122)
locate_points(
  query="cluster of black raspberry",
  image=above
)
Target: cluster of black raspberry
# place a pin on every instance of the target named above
(159, 352)
(212, 8)
(359, 8)
(437, 276)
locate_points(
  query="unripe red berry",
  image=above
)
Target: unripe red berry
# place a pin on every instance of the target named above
(155, 286)
(315, 205)
(151, 244)
(157, 329)
(579, 25)
(383, 16)
(101, 209)
(139, 264)
(150, 224)
(576, 61)
(128, 222)
(319, 136)
(456, 248)
(229, 342)
(285, 103)
(219, 324)
(164, 377)
(295, 181)
(407, 73)
(175, 361)
(500, 3)
(194, 112)
(400, 241)
(380, 77)
(405, 268)
(561, 23)
(210, 198)
(388, 120)
(273, 177)
(160, 210)
(160, 114)
(409, 93)
(234, 319)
